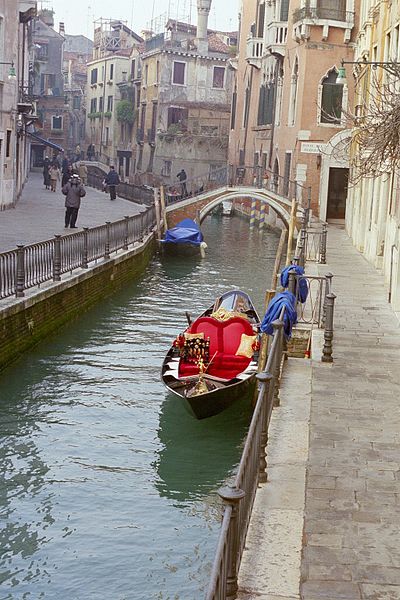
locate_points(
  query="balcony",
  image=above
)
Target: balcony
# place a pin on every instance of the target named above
(255, 50)
(276, 37)
(305, 17)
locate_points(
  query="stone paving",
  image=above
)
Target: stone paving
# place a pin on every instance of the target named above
(350, 540)
(39, 214)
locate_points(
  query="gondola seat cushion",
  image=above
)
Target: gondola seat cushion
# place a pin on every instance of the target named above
(225, 338)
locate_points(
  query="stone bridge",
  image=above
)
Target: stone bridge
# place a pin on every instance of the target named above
(199, 206)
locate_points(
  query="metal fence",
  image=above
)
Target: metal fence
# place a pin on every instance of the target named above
(239, 498)
(30, 266)
(194, 186)
(134, 193)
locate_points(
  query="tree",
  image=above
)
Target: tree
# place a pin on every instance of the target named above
(125, 112)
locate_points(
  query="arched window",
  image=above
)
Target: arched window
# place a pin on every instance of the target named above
(331, 99)
(293, 93)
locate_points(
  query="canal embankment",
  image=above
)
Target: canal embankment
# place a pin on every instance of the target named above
(65, 278)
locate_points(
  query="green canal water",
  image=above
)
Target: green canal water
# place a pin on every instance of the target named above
(108, 485)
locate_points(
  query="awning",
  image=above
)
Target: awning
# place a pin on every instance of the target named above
(45, 142)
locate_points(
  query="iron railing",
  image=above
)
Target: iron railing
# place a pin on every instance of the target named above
(29, 266)
(318, 12)
(239, 498)
(128, 191)
(315, 243)
(205, 182)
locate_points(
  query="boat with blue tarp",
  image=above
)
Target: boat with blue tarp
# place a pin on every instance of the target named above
(185, 238)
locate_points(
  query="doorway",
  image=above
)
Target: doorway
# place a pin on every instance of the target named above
(337, 193)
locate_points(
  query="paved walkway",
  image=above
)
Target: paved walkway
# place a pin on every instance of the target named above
(39, 214)
(350, 541)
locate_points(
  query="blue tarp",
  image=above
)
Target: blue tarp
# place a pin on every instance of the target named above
(284, 299)
(303, 285)
(186, 232)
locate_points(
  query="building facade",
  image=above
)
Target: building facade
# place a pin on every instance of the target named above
(185, 102)
(289, 108)
(373, 215)
(16, 108)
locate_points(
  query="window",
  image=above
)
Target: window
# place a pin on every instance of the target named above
(110, 101)
(218, 77)
(107, 135)
(76, 102)
(233, 108)
(8, 143)
(93, 105)
(111, 77)
(261, 19)
(56, 122)
(146, 75)
(178, 116)
(133, 69)
(266, 103)
(331, 9)
(101, 104)
(332, 99)
(93, 76)
(178, 76)
(284, 10)
(42, 52)
(246, 111)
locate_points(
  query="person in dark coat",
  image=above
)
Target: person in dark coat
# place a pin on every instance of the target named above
(46, 173)
(66, 176)
(74, 191)
(183, 178)
(111, 181)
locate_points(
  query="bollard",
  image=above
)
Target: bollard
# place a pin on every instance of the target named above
(57, 258)
(292, 282)
(107, 244)
(328, 333)
(328, 287)
(126, 233)
(322, 244)
(276, 369)
(84, 264)
(20, 272)
(232, 496)
(265, 379)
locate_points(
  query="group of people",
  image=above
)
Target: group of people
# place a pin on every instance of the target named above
(73, 178)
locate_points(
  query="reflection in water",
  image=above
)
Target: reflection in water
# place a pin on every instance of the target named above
(108, 486)
(190, 445)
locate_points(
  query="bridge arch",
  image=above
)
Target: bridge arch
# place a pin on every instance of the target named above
(282, 212)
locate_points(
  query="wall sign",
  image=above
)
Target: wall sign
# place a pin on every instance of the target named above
(312, 147)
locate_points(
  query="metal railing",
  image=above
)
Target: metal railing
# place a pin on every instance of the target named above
(128, 191)
(197, 185)
(315, 243)
(30, 266)
(239, 498)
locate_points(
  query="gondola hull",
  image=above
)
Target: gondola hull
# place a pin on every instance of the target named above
(232, 377)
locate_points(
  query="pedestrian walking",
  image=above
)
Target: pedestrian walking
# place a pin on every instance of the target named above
(82, 172)
(112, 180)
(66, 176)
(74, 191)
(46, 173)
(54, 176)
(183, 178)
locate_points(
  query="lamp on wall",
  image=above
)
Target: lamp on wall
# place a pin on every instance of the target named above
(12, 75)
(389, 66)
(319, 161)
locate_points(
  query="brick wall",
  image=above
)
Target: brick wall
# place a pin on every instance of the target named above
(27, 321)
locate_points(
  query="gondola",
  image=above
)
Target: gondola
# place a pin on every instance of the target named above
(185, 239)
(214, 361)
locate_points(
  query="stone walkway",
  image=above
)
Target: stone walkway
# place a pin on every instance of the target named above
(39, 214)
(350, 541)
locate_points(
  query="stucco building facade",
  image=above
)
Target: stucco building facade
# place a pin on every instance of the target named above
(289, 115)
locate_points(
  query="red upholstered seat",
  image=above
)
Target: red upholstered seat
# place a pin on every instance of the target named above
(225, 337)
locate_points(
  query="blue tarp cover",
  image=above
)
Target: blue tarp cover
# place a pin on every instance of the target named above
(186, 232)
(284, 299)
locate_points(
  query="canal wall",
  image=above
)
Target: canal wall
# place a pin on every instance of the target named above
(26, 321)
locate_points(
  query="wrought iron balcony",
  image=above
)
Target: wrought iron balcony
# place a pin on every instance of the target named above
(322, 14)
(255, 51)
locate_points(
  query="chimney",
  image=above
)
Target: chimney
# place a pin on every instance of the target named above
(203, 10)
(61, 29)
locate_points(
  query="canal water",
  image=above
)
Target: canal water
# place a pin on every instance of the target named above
(108, 485)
